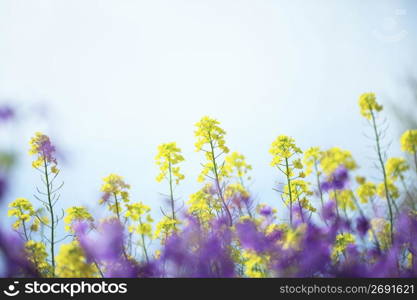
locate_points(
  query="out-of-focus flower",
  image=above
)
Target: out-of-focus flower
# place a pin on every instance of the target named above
(341, 244)
(115, 190)
(6, 113)
(369, 105)
(393, 191)
(166, 227)
(396, 167)
(366, 191)
(76, 213)
(235, 163)
(199, 252)
(362, 225)
(409, 141)
(335, 157)
(36, 253)
(71, 262)
(14, 259)
(338, 180)
(42, 148)
(311, 159)
(104, 244)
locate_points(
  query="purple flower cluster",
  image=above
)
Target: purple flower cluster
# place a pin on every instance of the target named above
(338, 180)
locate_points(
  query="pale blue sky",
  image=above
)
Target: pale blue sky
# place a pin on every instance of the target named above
(121, 77)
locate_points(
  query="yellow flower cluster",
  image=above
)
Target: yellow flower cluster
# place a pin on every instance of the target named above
(293, 236)
(76, 213)
(71, 262)
(37, 255)
(368, 105)
(256, 266)
(300, 189)
(343, 240)
(393, 191)
(235, 164)
(169, 155)
(409, 141)
(203, 205)
(345, 199)
(311, 159)
(208, 132)
(395, 168)
(138, 212)
(40, 145)
(23, 210)
(114, 186)
(366, 191)
(283, 148)
(334, 158)
(165, 228)
(381, 227)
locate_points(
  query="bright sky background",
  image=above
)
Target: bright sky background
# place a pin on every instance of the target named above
(120, 77)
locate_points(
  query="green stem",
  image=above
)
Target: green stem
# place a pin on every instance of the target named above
(51, 211)
(171, 191)
(143, 243)
(381, 161)
(216, 174)
(287, 174)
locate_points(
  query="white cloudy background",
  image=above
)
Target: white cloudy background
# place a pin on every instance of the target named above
(120, 77)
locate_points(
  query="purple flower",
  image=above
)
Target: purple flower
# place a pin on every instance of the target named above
(6, 113)
(338, 180)
(13, 258)
(198, 252)
(266, 211)
(250, 237)
(362, 226)
(105, 244)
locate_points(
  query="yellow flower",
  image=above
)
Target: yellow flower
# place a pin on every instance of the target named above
(311, 159)
(203, 205)
(169, 155)
(22, 209)
(138, 212)
(37, 255)
(293, 237)
(41, 146)
(381, 227)
(395, 167)
(366, 191)
(393, 191)
(334, 158)
(343, 240)
(256, 266)
(115, 191)
(345, 199)
(72, 263)
(300, 190)
(165, 228)
(369, 105)
(76, 213)
(235, 164)
(210, 137)
(283, 148)
(209, 133)
(409, 141)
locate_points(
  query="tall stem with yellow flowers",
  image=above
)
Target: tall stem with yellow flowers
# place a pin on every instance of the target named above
(217, 181)
(384, 173)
